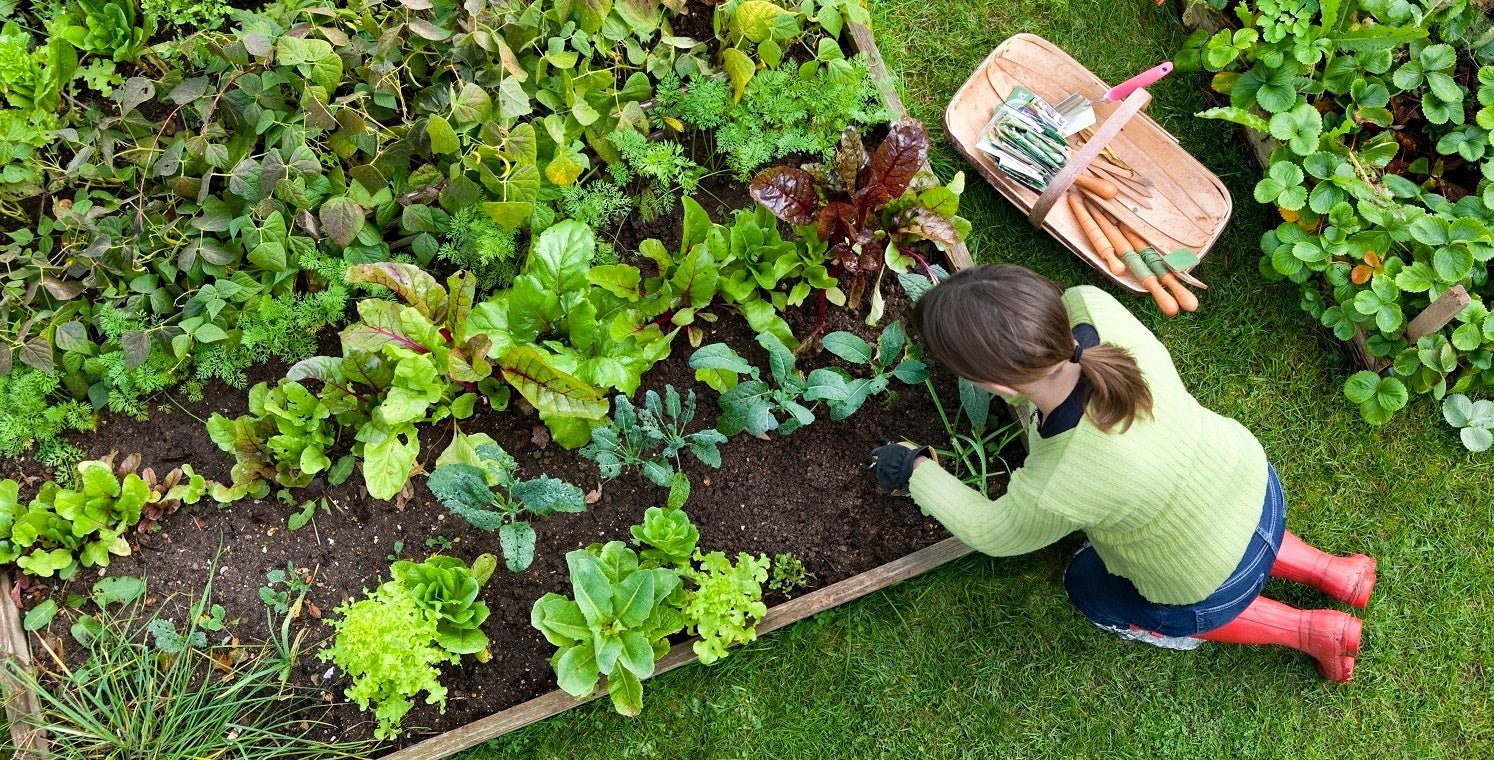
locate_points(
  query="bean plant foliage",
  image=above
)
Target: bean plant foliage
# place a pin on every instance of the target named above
(1382, 174)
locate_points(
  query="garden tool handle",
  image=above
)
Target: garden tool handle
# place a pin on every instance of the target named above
(1185, 298)
(1150, 76)
(1102, 244)
(1101, 187)
(1139, 269)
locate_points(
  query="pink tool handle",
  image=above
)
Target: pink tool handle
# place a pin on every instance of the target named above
(1120, 91)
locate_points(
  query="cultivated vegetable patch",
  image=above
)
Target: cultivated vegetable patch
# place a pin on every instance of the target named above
(456, 351)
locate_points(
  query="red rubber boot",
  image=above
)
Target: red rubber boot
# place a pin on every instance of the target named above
(1347, 579)
(1330, 636)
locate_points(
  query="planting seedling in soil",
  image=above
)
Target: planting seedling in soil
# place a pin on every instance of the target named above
(1185, 516)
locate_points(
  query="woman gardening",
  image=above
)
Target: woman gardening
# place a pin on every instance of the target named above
(1184, 515)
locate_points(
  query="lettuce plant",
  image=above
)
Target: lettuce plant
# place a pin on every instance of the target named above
(624, 607)
(616, 624)
(726, 603)
(652, 437)
(63, 530)
(107, 28)
(386, 642)
(478, 482)
(446, 589)
(393, 641)
(284, 438)
(669, 536)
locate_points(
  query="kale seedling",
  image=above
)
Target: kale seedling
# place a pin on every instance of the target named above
(295, 584)
(486, 493)
(652, 437)
(890, 359)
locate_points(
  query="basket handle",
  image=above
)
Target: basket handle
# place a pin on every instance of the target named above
(1062, 181)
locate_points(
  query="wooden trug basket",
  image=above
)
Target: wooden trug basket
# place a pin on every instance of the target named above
(1190, 206)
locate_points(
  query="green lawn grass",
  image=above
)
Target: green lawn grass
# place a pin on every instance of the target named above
(985, 658)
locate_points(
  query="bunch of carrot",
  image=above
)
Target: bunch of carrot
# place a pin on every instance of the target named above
(1123, 250)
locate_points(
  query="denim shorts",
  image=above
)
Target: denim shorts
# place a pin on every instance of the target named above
(1112, 601)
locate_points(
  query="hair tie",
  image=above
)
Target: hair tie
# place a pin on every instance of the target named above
(1078, 352)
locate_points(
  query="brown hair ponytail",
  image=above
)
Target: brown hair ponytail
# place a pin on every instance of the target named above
(1006, 324)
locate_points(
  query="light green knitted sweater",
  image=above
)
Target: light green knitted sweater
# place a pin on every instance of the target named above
(1170, 504)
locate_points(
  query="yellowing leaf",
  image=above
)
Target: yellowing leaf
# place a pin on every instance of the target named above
(739, 68)
(565, 168)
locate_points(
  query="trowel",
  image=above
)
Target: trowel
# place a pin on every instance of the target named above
(1078, 112)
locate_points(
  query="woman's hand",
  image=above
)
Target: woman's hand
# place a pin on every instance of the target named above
(893, 464)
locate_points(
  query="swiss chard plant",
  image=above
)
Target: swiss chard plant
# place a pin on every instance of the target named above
(567, 331)
(869, 209)
(1381, 174)
(478, 481)
(405, 364)
(652, 437)
(892, 358)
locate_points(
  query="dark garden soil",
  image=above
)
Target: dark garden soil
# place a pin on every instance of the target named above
(808, 494)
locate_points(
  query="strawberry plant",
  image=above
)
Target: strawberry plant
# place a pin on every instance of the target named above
(478, 482)
(1382, 176)
(1473, 419)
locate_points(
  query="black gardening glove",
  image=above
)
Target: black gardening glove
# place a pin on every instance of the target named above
(893, 464)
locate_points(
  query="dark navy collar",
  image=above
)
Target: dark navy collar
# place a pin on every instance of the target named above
(1066, 416)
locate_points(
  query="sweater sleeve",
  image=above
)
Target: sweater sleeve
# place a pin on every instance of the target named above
(1012, 524)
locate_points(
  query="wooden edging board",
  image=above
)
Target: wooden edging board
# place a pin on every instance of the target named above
(20, 702)
(1197, 15)
(13, 642)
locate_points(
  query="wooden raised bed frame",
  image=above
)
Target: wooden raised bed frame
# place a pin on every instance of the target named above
(14, 643)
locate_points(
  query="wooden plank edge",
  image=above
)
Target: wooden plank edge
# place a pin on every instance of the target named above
(22, 708)
(1436, 315)
(556, 702)
(958, 255)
